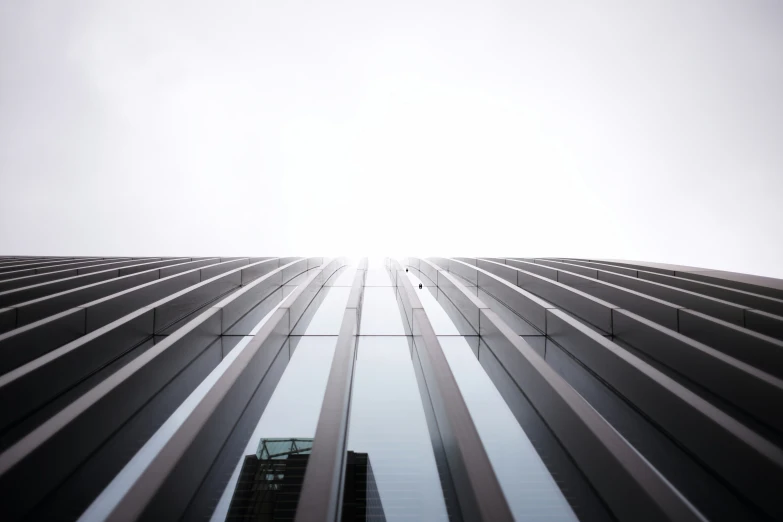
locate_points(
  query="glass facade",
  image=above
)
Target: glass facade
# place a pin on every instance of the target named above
(387, 423)
(433, 389)
(529, 487)
(293, 408)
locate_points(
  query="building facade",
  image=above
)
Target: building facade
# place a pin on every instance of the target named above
(434, 389)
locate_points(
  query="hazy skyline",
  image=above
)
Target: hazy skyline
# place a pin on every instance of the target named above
(643, 130)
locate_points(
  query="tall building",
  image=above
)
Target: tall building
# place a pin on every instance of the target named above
(437, 389)
(270, 483)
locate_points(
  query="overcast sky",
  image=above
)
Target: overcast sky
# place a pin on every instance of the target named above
(643, 130)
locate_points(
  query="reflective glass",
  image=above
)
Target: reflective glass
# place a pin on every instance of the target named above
(380, 312)
(388, 423)
(326, 310)
(529, 487)
(295, 404)
(294, 407)
(531, 491)
(343, 277)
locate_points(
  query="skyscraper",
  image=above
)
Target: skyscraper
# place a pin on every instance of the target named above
(452, 389)
(270, 483)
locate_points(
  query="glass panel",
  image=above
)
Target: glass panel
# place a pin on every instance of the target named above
(295, 404)
(291, 416)
(388, 424)
(343, 277)
(530, 489)
(377, 275)
(264, 483)
(380, 312)
(327, 310)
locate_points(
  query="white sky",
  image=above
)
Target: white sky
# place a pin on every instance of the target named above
(643, 130)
